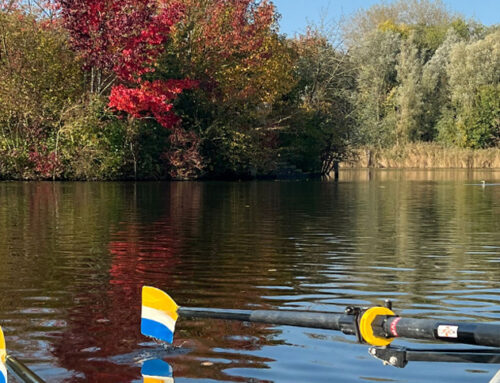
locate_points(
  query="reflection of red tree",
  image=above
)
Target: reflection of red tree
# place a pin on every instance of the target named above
(105, 324)
(102, 342)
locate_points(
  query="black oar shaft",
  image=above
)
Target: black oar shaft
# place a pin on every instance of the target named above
(21, 371)
(426, 329)
(300, 319)
(329, 321)
(195, 312)
(481, 334)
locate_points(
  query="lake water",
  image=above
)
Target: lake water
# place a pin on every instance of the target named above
(74, 257)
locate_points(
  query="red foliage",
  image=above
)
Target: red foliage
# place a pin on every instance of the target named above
(46, 164)
(236, 26)
(229, 44)
(127, 37)
(150, 98)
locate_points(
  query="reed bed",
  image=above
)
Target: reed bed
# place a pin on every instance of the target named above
(424, 156)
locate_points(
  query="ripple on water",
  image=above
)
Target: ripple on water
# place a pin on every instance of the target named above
(75, 256)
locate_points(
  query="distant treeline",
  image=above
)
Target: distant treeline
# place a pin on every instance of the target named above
(184, 89)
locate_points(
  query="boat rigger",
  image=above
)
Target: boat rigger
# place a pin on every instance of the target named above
(376, 326)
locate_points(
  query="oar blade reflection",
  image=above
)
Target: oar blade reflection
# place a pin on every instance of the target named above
(157, 371)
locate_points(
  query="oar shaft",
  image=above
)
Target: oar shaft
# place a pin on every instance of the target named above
(196, 312)
(301, 319)
(21, 371)
(329, 321)
(481, 334)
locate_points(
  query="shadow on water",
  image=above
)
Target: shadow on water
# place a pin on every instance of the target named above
(75, 256)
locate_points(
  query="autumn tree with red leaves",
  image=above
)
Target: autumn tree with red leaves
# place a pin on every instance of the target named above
(120, 42)
(232, 47)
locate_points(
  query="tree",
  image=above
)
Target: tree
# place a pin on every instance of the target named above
(40, 79)
(400, 14)
(7, 6)
(320, 124)
(233, 49)
(375, 59)
(125, 38)
(474, 75)
(243, 67)
(43, 10)
(121, 43)
(407, 104)
(435, 86)
(409, 96)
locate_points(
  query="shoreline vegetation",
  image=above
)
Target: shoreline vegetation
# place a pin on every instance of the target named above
(424, 156)
(209, 89)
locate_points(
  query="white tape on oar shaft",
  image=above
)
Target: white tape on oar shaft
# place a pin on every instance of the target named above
(447, 331)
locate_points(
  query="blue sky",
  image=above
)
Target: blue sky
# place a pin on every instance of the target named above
(296, 13)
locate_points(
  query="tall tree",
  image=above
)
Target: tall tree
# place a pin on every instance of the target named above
(436, 87)
(409, 96)
(320, 124)
(474, 75)
(243, 67)
(375, 58)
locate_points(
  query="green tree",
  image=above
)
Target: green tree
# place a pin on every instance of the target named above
(409, 97)
(435, 86)
(375, 58)
(40, 79)
(474, 76)
(400, 15)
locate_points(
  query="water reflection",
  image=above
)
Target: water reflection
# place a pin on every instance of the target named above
(156, 371)
(75, 256)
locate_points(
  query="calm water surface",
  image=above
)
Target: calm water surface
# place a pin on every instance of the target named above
(75, 255)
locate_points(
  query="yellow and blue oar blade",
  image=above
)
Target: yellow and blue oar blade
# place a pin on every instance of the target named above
(159, 314)
(157, 371)
(3, 358)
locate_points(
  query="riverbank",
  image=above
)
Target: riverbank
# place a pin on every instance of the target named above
(414, 156)
(424, 156)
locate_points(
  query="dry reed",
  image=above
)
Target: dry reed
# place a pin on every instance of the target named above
(424, 156)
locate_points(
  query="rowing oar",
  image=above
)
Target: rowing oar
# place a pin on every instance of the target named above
(18, 368)
(377, 326)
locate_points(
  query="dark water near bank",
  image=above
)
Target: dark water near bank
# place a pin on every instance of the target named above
(75, 255)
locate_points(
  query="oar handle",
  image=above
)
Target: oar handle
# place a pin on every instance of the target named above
(480, 334)
(21, 371)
